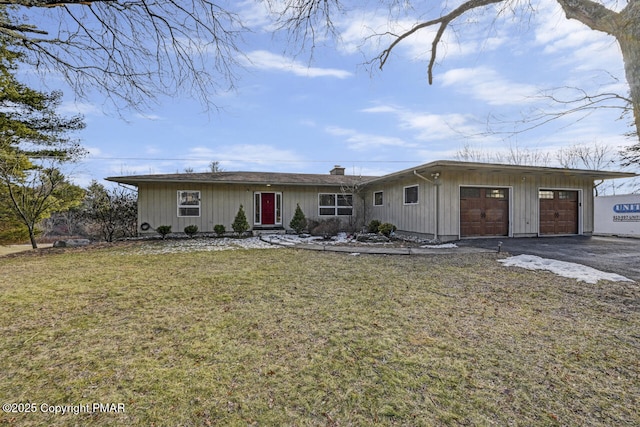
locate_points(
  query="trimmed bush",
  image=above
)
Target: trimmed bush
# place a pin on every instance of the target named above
(374, 226)
(325, 227)
(219, 230)
(240, 224)
(299, 221)
(386, 229)
(191, 230)
(163, 230)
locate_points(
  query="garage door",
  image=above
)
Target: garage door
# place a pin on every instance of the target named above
(484, 212)
(558, 212)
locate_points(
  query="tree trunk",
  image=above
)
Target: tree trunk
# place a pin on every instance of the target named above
(625, 27)
(630, 46)
(32, 237)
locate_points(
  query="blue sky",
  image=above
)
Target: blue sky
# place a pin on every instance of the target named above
(306, 113)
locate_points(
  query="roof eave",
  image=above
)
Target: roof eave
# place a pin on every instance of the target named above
(499, 168)
(137, 182)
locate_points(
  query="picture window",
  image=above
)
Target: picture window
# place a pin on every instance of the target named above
(330, 204)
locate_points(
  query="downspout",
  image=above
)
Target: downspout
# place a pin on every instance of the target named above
(436, 175)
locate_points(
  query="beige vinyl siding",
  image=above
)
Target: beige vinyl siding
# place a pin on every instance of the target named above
(523, 194)
(413, 218)
(157, 204)
(219, 202)
(523, 209)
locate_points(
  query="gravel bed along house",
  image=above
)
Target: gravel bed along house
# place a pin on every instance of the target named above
(203, 244)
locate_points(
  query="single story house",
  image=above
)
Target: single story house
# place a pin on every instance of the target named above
(444, 200)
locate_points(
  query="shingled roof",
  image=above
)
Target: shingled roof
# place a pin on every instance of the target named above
(260, 178)
(278, 178)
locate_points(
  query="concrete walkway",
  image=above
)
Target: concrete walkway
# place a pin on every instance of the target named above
(12, 249)
(385, 250)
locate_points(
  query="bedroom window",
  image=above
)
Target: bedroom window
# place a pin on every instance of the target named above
(378, 199)
(411, 195)
(335, 204)
(188, 203)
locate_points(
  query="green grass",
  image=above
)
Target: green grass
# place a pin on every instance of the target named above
(287, 337)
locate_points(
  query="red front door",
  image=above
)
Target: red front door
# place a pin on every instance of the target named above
(268, 208)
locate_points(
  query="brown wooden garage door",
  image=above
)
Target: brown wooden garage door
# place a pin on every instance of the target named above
(558, 212)
(484, 212)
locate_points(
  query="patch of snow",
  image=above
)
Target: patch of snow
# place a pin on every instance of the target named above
(289, 239)
(561, 268)
(195, 245)
(442, 246)
(342, 238)
(293, 239)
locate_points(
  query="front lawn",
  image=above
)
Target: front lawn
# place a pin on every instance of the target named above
(293, 337)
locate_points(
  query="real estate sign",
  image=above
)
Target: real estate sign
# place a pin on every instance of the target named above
(617, 215)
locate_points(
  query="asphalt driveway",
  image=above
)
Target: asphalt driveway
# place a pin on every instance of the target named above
(610, 254)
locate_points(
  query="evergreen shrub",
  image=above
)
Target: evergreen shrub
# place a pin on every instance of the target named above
(299, 221)
(191, 230)
(240, 224)
(163, 230)
(219, 229)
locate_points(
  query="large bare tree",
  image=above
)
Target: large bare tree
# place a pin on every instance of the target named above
(129, 50)
(133, 50)
(305, 18)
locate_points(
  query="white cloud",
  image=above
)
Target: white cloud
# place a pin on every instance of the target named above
(429, 126)
(93, 151)
(486, 84)
(571, 42)
(255, 15)
(360, 29)
(242, 155)
(362, 141)
(381, 109)
(83, 108)
(264, 60)
(152, 117)
(437, 126)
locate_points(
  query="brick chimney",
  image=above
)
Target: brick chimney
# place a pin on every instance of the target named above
(337, 170)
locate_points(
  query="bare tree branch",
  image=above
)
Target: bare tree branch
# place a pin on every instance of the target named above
(303, 18)
(305, 15)
(132, 51)
(574, 101)
(442, 23)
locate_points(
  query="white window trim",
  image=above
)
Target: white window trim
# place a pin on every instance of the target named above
(335, 206)
(374, 198)
(404, 195)
(181, 206)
